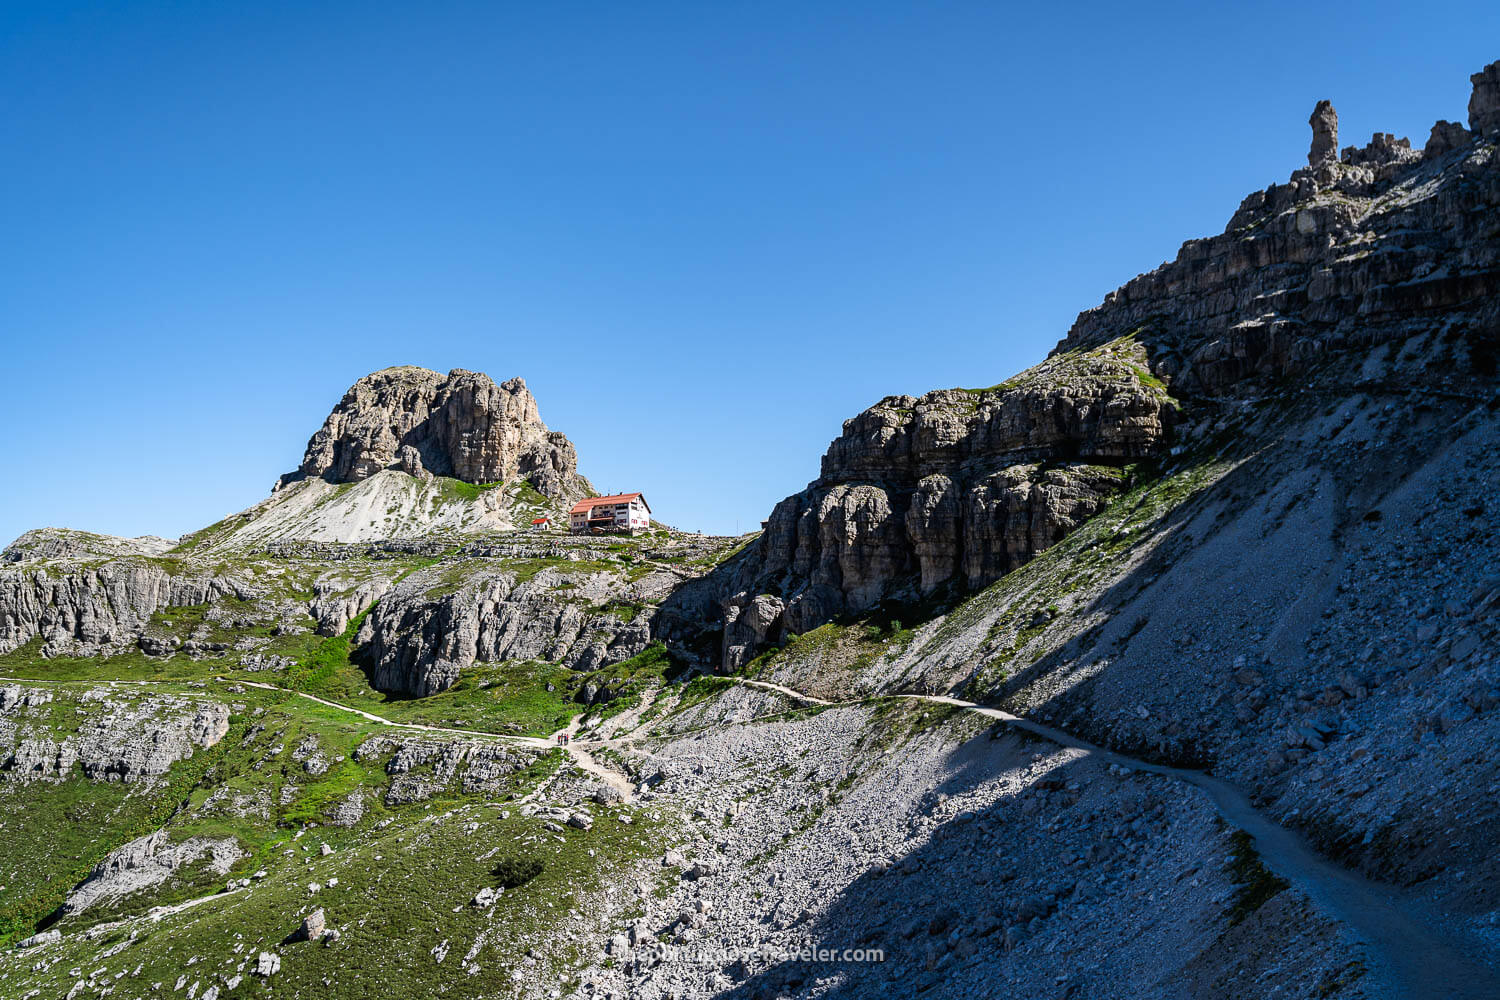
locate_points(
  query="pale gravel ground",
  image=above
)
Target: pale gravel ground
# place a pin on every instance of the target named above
(386, 505)
(1122, 874)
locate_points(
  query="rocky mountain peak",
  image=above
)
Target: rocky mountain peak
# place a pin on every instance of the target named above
(1351, 252)
(424, 423)
(1362, 249)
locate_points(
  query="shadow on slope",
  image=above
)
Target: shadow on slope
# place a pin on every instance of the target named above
(1034, 876)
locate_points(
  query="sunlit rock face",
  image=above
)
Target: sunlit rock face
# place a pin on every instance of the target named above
(424, 423)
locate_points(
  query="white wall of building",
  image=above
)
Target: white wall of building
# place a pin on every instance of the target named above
(633, 516)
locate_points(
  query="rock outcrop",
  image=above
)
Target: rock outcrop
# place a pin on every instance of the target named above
(1325, 140)
(76, 610)
(146, 863)
(61, 543)
(122, 739)
(958, 485)
(422, 768)
(424, 423)
(1484, 102)
(336, 601)
(1344, 256)
(1446, 136)
(418, 639)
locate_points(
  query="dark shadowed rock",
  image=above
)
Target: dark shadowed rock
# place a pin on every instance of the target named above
(1484, 102)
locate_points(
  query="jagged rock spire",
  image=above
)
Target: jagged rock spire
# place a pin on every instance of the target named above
(1325, 141)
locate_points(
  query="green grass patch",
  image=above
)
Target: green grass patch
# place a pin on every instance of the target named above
(1254, 882)
(401, 893)
(325, 669)
(458, 491)
(61, 830)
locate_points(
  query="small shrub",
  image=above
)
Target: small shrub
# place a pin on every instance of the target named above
(1255, 883)
(512, 873)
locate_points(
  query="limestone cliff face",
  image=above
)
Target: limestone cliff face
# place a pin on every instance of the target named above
(76, 609)
(1370, 246)
(1484, 103)
(419, 639)
(958, 485)
(424, 423)
(125, 739)
(1349, 254)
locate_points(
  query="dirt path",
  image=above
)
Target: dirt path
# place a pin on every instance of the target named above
(789, 692)
(614, 779)
(531, 741)
(586, 761)
(580, 756)
(1418, 958)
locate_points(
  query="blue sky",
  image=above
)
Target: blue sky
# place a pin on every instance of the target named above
(705, 234)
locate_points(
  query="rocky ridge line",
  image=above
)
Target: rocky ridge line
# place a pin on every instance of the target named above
(1361, 248)
(1351, 252)
(955, 486)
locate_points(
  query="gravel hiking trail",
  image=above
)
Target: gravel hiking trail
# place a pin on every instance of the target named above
(581, 757)
(1414, 956)
(586, 761)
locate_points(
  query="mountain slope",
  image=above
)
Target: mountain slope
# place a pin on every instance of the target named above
(1379, 271)
(1219, 570)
